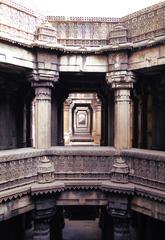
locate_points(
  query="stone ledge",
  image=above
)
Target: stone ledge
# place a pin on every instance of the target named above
(144, 154)
(14, 193)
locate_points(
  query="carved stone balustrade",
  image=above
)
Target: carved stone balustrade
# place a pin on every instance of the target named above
(92, 165)
(144, 27)
(147, 168)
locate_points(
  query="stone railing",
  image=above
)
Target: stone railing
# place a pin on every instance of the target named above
(147, 167)
(78, 163)
(18, 167)
(145, 24)
(21, 167)
(18, 23)
(82, 31)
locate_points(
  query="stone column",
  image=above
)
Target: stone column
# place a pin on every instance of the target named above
(28, 235)
(57, 224)
(42, 115)
(43, 213)
(98, 124)
(106, 225)
(66, 121)
(60, 129)
(122, 83)
(118, 209)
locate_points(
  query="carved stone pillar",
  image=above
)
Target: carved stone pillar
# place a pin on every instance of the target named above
(118, 208)
(41, 130)
(28, 226)
(66, 121)
(106, 225)
(43, 213)
(57, 224)
(98, 124)
(122, 83)
(60, 129)
(43, 77)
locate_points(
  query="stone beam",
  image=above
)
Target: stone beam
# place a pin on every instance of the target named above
(16, 56)
(147, 58)
(83, 63)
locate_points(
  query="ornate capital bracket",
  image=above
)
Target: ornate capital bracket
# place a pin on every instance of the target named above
(118, 35)
(120, 171)
(46, 34)
(118, 206)
(43, 75)
(45, 171)
(120, 79)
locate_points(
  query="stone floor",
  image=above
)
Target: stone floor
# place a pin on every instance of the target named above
(81, 230)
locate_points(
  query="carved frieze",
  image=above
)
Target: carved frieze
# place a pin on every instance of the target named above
(18, 22)
(46, 34)
(146, 24)
(146, 169)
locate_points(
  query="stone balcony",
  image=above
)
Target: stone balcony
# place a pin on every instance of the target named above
(81, 167)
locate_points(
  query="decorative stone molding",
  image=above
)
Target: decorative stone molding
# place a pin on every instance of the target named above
(118, 206)
(43, 93)
(82, 168)
(118, 35)
(120, 170)
(18, 23)
(39, 77)
(46, 33)
(80, 31)
(45, 171)
(44, 75)
(145, 23)
(120, 79)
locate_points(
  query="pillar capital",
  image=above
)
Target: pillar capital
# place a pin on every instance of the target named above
(118, 206)
(43, 76)
(42, 94)
(120, 79)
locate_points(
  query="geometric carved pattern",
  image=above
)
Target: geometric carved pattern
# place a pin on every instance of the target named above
(145, 24)
(145, 168)
(91, 163)
(82, 169)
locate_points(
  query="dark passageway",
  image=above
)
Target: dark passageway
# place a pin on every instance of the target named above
(82, 230)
